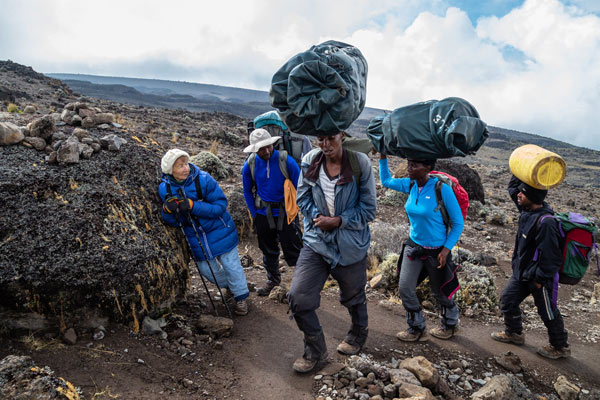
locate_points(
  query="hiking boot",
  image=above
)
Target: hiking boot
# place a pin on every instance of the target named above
(241, 307)
(415, 336)
(515, 338)
(444, 332)
(304, 365)
(266, 290)
(348, 349)
(553, 353)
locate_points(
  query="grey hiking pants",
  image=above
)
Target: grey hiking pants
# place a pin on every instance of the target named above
(305, 294)
(407, 288)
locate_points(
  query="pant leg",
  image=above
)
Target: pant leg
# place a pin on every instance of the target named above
(450, 311)
(512, 296)
(234, 274)
(217, 269)
(304, 296)
(550, 315)
(267, 242)
(290, 239)
(352, 280)
(407, 289)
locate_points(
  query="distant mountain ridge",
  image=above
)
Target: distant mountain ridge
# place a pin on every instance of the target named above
(583, 164)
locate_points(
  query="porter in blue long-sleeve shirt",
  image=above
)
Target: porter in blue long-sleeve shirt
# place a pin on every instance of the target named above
(427, 227)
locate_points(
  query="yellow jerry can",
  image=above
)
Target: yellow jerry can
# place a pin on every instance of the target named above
(537, 166)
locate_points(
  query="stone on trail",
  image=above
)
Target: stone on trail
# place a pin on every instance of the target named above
(278, 294)
(423, 369)
(214, 326)
(565, 389)
(408, 390)
(70, 337)
(503, 387)
(509, 361)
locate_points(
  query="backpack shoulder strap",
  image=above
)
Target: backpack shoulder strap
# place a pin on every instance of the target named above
(169, 191)
(198, 188)
(440, 203)
(353, 159)
(283, 163)
(252, 165)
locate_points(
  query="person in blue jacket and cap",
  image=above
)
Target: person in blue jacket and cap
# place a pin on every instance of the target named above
(192, 196)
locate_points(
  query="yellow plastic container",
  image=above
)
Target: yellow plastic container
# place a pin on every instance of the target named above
(537, 167)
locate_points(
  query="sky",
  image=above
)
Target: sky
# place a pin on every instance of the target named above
(528, 65)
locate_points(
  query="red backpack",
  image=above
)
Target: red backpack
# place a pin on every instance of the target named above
(461, 195)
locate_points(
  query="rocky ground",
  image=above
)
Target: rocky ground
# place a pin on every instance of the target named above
(189, 353)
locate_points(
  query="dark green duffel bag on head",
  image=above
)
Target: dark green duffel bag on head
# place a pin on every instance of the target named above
(322, 91)
(429, 130)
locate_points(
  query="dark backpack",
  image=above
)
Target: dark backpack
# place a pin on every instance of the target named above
(295, 145)
(579, 238)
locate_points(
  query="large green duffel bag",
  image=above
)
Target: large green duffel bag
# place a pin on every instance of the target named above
(431, 129)
(322, 91)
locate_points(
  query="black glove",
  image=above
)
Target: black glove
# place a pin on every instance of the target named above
(185, 206)
(171, 205)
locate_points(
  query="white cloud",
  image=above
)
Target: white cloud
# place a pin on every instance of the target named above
(535, 69)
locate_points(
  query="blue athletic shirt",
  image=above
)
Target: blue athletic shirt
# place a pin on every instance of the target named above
(426, 225)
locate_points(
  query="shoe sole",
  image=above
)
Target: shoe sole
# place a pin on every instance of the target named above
(501, 339)
(320, 361)
(551, 357)
(423, 338)
(347, 353)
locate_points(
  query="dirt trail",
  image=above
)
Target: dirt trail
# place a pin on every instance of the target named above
(267, 343)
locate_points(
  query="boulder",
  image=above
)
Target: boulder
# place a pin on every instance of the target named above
(10, 134)
(43, 127)
(68, 153)
(37, 142)
(467, 177)
(104, 118)
(210, 163)
(29, 110)
(87, 236)
(112, 142)
(67, 116)
(20, 378)
(236, 205)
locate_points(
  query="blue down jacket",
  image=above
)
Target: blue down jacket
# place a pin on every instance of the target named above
(210, 216)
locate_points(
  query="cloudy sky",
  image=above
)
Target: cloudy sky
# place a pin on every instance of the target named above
(529, 65)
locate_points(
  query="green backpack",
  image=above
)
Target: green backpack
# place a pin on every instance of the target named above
(579, 239)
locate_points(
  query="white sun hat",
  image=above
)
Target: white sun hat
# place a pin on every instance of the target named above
(260, 138)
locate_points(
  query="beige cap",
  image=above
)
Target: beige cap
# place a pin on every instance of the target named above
(260, 138)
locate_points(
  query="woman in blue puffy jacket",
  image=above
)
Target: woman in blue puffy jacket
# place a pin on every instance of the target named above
(427, 250)
(192, 196)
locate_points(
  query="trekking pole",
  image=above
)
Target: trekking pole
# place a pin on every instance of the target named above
(196, 261)
(182, 193)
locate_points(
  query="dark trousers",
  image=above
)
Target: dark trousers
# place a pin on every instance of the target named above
(513, 295)
(305, 295)
(290, 238)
